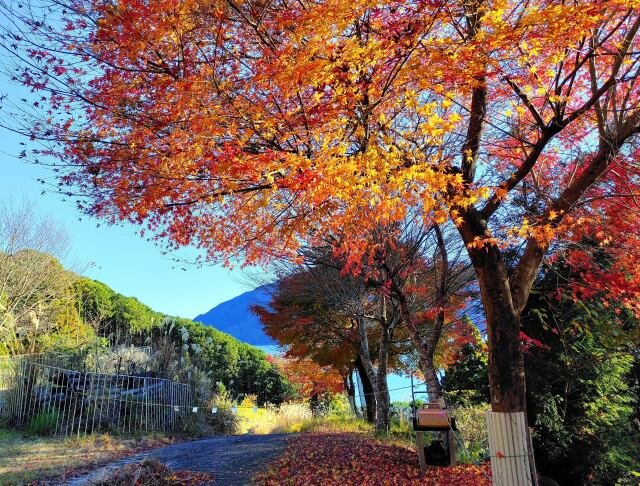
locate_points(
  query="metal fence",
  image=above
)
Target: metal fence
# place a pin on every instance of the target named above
(34, 392)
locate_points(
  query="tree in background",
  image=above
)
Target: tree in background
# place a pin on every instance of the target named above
(37, 299)
(242, 369)
(466, 378)
(316, 312)
(309, 378)
(424, 276)
(323, 313)
(581, 391)
(257, 127)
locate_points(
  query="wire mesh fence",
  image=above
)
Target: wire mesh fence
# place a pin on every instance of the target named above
(36, 392)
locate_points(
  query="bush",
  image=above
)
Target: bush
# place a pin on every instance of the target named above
(466, 383)
(339, 406)
(472, 429)
(223, 422)
(583, 418)
(402, 427)
(44, 423)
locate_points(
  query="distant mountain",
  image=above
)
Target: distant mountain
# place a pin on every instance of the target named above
(235, 317)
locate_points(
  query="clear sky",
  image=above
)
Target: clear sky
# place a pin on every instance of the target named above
(116, 254)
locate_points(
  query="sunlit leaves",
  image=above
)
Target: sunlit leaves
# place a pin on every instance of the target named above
(337, 459)
(248, 129)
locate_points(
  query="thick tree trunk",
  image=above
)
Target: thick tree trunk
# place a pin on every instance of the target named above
(506, 363)
(377, 376)
(367, 391)
(383, 400)
(383, 405)
(431, 379)
(511, 453)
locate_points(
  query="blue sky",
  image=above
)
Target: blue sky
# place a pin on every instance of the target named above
(116, 254)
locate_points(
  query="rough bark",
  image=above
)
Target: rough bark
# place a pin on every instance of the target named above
(349, 386)
(382, 390)
(377, 377)
(367, 391)
(506, 364)
(434, 388)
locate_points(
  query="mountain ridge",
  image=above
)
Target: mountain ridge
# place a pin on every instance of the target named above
(234, 317)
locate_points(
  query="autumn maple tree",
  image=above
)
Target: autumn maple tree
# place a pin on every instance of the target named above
(252, 128)
(311, 379)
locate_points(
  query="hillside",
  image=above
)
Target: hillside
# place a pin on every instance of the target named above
(234, 317)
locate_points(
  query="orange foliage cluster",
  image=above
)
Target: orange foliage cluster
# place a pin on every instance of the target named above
(311, 378)
(257, 127)
(339, 459)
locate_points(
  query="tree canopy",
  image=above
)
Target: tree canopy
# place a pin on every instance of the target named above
(251, 128)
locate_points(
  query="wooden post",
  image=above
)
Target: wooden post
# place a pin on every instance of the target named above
(420, 446)
(451, 441)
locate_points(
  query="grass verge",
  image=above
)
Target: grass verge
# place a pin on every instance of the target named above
(27, 459)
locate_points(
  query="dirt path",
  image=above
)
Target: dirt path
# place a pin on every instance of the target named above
(233, 460)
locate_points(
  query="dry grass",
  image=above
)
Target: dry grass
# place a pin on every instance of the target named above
(286, 418)
(25, 458)
(293, 418)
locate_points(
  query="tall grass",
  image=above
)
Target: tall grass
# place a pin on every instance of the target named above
(287, 418)
(297, 417)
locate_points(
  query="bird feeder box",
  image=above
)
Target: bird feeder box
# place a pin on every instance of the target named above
(433, 418)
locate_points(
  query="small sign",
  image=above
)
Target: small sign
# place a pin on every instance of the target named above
(194, 409)
(214, 409)
(176, 408)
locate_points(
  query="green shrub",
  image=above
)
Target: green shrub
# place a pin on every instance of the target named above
(44, 423)
(582, 392)
(224, 421)
(472, 430)
(401, 427)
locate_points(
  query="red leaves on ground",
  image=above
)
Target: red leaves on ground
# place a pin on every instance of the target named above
(358, 459)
